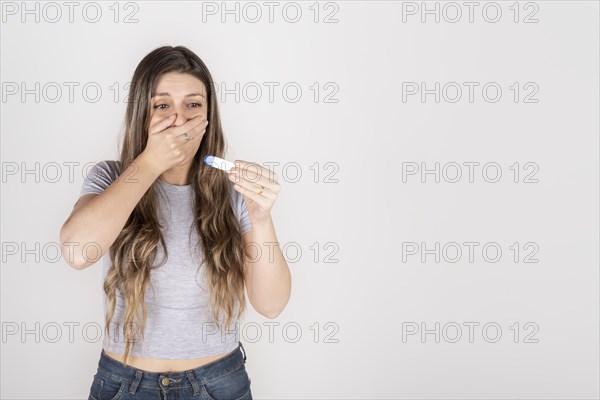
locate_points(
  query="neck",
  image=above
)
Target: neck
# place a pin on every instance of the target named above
(176, 175)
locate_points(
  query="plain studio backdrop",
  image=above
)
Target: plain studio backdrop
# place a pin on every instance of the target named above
(439, 199)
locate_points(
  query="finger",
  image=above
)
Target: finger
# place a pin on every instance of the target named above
(255, 172)
(196, 133)
(188, 126)
(264, 199)
(256, 180)
(199, 129)
(251, 167)
(162, 124)
(255, 184)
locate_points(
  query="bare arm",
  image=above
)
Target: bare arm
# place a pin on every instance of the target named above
(97, 219)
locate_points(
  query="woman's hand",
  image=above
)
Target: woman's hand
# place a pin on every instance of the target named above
(249, 178)
(167, 146)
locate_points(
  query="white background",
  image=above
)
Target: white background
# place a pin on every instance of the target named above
(370, 134)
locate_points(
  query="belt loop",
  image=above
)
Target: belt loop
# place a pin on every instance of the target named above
(194, 382)
(136, 381)
(244, 350)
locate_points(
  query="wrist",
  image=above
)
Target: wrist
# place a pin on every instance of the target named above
(263, 222)
(144, 162)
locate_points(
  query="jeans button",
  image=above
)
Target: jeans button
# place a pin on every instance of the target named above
(165, 381)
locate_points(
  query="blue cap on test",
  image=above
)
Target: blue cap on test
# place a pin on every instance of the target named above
(208, 160)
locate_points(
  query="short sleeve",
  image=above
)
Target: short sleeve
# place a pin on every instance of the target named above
(245, 224)
(240, 208)
(99, 177)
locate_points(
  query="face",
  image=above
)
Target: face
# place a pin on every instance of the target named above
(180, 94)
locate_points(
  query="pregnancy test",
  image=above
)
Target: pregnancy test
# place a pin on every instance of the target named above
(219, 163)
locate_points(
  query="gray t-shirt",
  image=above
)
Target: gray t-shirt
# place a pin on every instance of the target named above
(179, 325)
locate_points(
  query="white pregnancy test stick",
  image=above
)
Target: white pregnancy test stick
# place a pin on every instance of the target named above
(219, 163)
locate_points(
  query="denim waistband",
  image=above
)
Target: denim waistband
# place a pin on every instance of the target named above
(139, 378)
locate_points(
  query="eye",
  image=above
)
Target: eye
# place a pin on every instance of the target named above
(158, 106)
(198, 104)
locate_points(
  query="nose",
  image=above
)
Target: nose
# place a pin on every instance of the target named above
(180, 119)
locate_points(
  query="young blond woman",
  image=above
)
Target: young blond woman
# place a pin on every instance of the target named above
(179, 236)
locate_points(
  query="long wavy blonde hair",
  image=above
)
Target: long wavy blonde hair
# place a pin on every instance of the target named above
(133, 252)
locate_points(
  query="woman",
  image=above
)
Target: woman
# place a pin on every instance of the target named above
(183, 241)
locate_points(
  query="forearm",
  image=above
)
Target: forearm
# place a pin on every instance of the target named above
(269, 273)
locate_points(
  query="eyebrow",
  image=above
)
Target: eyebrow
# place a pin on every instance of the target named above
(187, 95)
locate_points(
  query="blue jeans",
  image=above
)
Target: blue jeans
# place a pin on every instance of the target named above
(225, 378)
